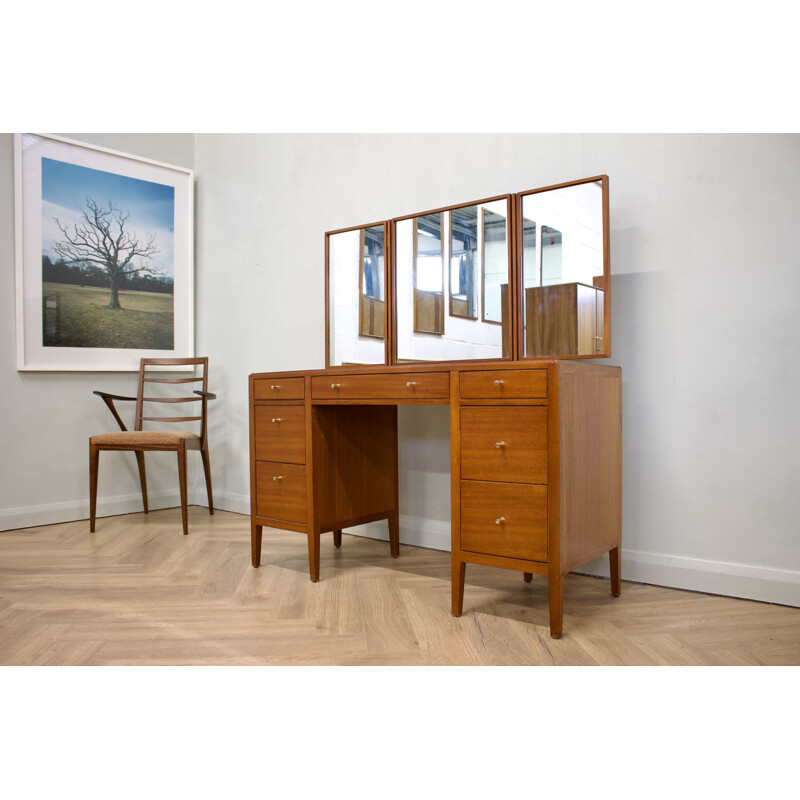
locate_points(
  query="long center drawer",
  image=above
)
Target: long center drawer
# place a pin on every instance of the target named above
(405, 386)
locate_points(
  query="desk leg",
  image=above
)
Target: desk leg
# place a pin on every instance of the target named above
(255, 543)
(615, 563)
(459, 570)
(394, 534)
(555, 591)
(527, 577)
(313, 555)
(337, 538)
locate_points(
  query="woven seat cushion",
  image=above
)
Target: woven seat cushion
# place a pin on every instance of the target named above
(142, 438)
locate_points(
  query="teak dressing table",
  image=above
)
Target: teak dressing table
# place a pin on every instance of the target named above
(535, 443)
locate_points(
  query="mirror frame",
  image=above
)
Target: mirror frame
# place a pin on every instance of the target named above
(519, 331)
(388, 289)
(515, 297)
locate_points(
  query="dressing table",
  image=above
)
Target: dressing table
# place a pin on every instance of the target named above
(438, 308)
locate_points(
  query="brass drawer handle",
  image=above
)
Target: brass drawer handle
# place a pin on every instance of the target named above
(336, 386)
(277, 419)
(496, 444)
(411, 384)
(499, 520)
(499, 383)
(274, 387)
(277, 477)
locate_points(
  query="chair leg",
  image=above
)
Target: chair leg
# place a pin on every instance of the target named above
(207, 470)
(182, 481)
(94, 463)
(142, 478)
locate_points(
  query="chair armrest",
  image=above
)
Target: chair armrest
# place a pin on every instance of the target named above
(109, 401)
(205, 395)
(105, 395)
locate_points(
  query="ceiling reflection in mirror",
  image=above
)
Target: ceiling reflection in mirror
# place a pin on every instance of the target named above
(563, 271)
(356, 272)
(451, 283)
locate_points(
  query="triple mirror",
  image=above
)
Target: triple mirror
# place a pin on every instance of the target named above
(515, 276)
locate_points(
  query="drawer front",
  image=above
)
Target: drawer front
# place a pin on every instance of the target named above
(504, 443)
(504, 519)
(500, 384)
(281, 491)
(280, 434)
(279, 389)
(408, 386)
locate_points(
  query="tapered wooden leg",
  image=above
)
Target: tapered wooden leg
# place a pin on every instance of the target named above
(615, 564)
(182, 482)
(313, 555)
(142, 477)
(394, 534)
(255, 543)
(94, 463)
(337, 538)
(555, 591)
(527, 577)
(459, 571)
(207, 470)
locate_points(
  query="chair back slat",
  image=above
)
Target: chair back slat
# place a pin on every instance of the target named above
(153, 380)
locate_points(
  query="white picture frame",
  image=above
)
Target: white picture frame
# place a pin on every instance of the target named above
(63, 237)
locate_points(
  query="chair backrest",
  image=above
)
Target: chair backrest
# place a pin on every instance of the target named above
(153, 389)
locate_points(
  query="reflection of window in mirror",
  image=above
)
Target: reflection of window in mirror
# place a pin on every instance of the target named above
(495, 266)
(428, 274)
(552, 263)
(464, 262)
(371, 302)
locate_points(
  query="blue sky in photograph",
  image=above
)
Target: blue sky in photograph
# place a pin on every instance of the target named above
(151, 206)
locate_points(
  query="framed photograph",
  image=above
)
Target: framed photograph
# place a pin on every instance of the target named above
(104, 257)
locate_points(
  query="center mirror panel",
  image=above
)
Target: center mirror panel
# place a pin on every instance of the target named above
(356, 274)
(452, 277)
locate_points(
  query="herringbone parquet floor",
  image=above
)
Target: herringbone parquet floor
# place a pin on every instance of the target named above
(138, 592)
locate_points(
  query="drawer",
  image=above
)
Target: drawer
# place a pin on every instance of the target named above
(279, 389)
(280, 434)
(504, 443)
(500, 384)
(407, 386)
(504, 519)
(281, 491)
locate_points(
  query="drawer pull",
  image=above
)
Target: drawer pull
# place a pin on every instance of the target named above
(274, 387)
(499, 383)
(277, 419)
(499, 520)
(336, 386)
(277, 477)
(411, 384)
(496, 444)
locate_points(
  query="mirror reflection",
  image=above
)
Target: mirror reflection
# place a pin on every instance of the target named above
(473, 241)
(356, 270)
(563, 270)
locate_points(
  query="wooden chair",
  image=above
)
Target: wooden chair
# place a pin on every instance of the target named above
(141, 441)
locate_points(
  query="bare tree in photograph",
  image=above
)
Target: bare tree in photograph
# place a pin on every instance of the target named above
(101, 245)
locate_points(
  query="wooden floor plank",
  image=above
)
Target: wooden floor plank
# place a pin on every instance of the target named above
(139, 592)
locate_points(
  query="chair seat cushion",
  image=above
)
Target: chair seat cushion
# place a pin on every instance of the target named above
(142, 438)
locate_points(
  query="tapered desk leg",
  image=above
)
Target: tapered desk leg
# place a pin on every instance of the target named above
(394, 534)
(527, 577)
(615, 564)
(337, 538)
(555, 592)
(313, 555)
(459, 570)
(255, 543)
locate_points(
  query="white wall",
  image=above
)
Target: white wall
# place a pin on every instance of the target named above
(705, 289)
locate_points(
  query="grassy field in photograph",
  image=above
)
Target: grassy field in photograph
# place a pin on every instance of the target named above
(145, 321)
